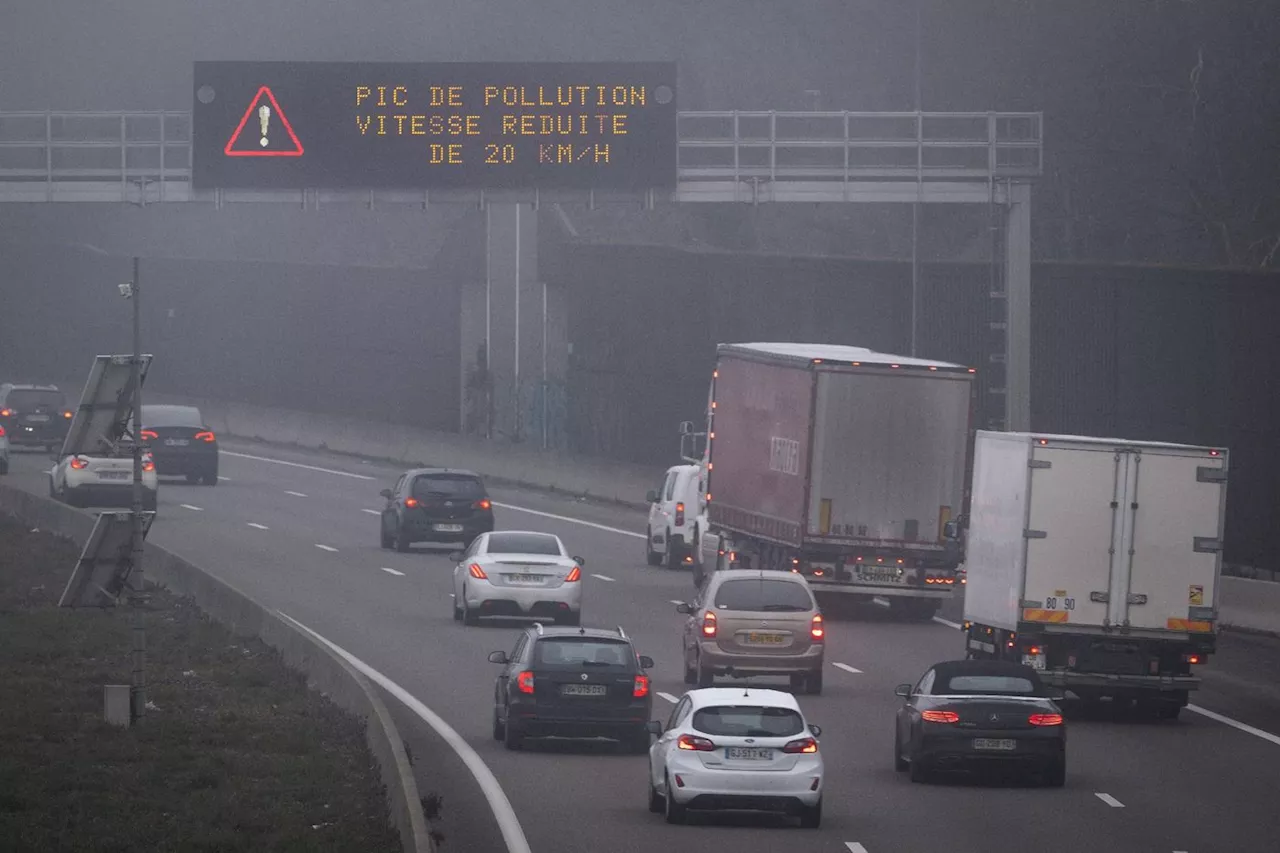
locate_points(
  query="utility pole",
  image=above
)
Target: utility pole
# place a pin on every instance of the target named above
(138, 691)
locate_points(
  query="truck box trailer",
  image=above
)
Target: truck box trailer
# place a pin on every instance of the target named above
(1097, 561)
(848, 465)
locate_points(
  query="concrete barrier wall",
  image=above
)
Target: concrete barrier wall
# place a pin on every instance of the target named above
(243, 616)
(1250, 605)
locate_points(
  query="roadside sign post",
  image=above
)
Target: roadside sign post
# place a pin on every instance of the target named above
(138, 691)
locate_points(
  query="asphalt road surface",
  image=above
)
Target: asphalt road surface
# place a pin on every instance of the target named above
(305, 541)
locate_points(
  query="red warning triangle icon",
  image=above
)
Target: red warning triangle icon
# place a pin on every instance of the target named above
(268, 130)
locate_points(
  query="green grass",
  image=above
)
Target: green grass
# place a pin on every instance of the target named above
(235, 754)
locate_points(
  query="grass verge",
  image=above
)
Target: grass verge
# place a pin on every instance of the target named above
(234, 754)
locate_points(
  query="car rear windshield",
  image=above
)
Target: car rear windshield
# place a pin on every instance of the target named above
(447, 486)
(171, 416)
(762, 594)
(522, 543)
(583, 651)
(28, 399)
(748, 721)
(995, 684)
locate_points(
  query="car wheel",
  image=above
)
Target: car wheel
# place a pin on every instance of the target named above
(813, 683)
(690, 672)
(211, 479)
(656, 801)
(651, 556)
(705, 676)
(512, 737)
(811, 816)
(388, 541)
(457, 611)
(193, 478)
(468, 618)
(402, 539)
(4, 466)
(919, 773)
(899, 763)
(672, 558)
(1056, 775)
(637, 741)
(499, 728)
(675, 813)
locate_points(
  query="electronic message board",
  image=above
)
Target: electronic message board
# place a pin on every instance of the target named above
(459, 125)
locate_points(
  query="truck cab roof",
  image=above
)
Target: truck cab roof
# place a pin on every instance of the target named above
(830, 352)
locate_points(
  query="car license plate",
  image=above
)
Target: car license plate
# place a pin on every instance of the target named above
(751, 753)
(176, 442)
(113, 475)
(584, 689)
(447, 528)
(995, 743)
(524, 579)
(761, 639)
(37, 419)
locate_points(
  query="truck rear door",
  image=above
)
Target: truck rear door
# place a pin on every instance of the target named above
(1174, 521)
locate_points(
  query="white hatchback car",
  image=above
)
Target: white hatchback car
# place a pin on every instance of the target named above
(99, 480)
(736, 749)
(517, 573)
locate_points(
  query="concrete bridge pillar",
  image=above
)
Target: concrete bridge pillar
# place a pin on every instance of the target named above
(514, 338)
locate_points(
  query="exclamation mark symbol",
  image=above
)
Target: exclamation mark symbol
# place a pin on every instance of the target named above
(264, 116)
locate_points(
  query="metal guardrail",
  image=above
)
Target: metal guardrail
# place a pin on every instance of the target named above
(45, 155)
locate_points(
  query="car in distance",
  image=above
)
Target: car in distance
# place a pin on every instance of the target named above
(435, 505)
(35, 415)
(517, 573)
(754, 622)
(102, 480)
(181, 443)
(572, 682)
(735, 748)
(966, 713)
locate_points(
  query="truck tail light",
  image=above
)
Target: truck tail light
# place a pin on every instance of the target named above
(816, 629)
(640, 688)
(1045, 719)
(524, 681)
(67, 415)
(679, 513)
(708, 624)
(1193, 658)
(698, 744)
(148, 465)
(804, 744)
(206, 436)
(476, 572)
(4, 413)
(940, 716)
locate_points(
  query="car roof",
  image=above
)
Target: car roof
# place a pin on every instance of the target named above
(25, 386)
(709, 696)
(758, 574)
(457, 472)
(556, 631)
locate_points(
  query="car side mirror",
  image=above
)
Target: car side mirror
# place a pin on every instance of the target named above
(386, 493)
(653, 727)
(646, 662)
(684, 608)
(498, 657)
(651, 496)
(816, 731)
(581, 562)
(903, 690)
(455, 556)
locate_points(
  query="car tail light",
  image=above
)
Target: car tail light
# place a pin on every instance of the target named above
(206, 435)
(940, 717)
(1045, 719)
(816, 630)
(410, 501)
(477, 572)
(148, 466)
(641, 686)
(149, 435)
(4, 413)
(575, 574)
(1, 431)
(698, 744)
(67, 415)
(79, 464)
(680, 513)
(804, 744)
(483, 503)
(708, 624)
(524, 681)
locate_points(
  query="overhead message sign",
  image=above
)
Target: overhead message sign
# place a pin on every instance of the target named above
(442, 125)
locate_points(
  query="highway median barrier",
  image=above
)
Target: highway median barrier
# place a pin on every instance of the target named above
(242, 615)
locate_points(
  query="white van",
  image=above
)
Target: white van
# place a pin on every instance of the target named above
(674, 510)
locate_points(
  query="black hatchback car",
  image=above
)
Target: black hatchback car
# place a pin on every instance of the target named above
(573, 682)
(181, 443)
(34, 415)
(435, 505)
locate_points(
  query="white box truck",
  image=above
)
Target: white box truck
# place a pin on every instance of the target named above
(1096, 561)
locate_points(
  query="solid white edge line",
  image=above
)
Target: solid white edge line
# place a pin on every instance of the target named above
(295, 494)
(847, 668)
(257, 525)
(371, 511)
(673, 700)
(503, 813)
(297, 465)
(1109, 800)
(675, 601)
(603, 527)
(329, 548)
(392, 571)
(189, 506)
(604, 578)
(1235, 724)
(855, 847)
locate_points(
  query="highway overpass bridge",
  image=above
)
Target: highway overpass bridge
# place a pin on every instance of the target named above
(124, 180)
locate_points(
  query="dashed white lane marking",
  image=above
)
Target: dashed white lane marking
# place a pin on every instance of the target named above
(855, 847)
(673, 700)
(1235, 724)
(1110, 800)
(604, 527)
(371, 511)
(947, 622)
(326, 548)
(392, 571)
(675, 601)
(258, 526)
(603, 578)
(224, 479)
(295, 494)
(189, 506)
(298, 465)
(847, 668)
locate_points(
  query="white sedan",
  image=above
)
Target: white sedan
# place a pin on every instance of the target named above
(736, 749)
(517, 573)
(82, 479)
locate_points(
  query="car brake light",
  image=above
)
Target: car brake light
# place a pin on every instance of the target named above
(804, 744)
(149, 435)
(680, 513)
(816, 631)
(1187, 658)
(1, 431)
(205, 435)
(524, 681)
(1045, 719)
(410, 501)
(79, 463)
(477, 572)
(575, 574)
(698, 744)
(641, 686)
(483, 503)
(940, 717)
(708, 624)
